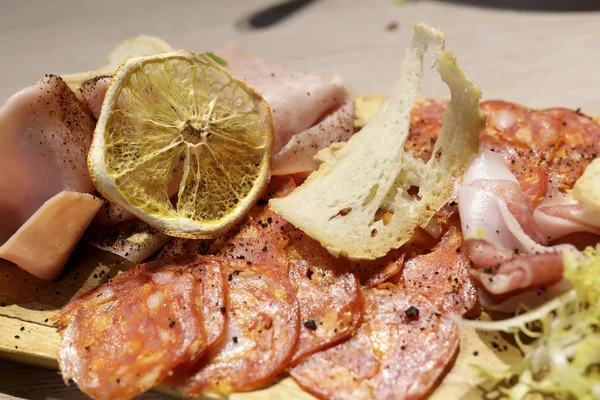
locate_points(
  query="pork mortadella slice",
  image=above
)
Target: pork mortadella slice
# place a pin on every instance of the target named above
(310, 112)
(400, 351)
(133, 240)
(122, 338)
(298, 154)
(328, 293)
(43, 244)
(45, 135)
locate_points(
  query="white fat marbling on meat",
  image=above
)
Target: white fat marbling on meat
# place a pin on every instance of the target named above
(154, 300)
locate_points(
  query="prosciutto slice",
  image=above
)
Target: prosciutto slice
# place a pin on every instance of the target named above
(45, 135)
(513, 201)
(502, 237)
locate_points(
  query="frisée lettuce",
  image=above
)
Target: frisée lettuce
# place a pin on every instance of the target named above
(564, 357)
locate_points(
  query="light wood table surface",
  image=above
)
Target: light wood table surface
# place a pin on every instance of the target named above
(537, 58)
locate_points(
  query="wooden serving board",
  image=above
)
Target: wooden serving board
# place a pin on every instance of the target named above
(27, 304)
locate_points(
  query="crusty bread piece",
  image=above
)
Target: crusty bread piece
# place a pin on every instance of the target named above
(341, 204)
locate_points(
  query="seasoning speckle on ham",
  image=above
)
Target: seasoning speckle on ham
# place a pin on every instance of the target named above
(133, 240)
(310, 112)
(45, 134)
(93, 92)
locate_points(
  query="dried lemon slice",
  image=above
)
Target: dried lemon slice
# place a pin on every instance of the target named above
(178, 123)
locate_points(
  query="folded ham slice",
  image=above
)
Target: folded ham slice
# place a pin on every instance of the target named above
(43, 244)
(503, 239)
(45, 134)
(310, 112)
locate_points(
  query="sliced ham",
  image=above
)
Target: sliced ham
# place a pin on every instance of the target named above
(45, 134)
(92, 92)
(134, 240)
(42, 249)
(310, 112)
(559, 216)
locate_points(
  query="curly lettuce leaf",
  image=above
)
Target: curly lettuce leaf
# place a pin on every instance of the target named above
(563, 360)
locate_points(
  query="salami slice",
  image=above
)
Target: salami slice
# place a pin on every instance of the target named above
(443, 275)
(122, 338)
(252, 245)
(580, 145)
(372, 273)
(527, 139)
(327, 290)
(425, 125)
(328, 293)
(274, 224)
(263, 318)
(402, 348)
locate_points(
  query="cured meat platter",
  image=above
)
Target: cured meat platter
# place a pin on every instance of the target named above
(27, 304)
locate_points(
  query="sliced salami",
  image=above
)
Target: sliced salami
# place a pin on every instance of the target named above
(580, 145)
(274, 224)
(327, 290)
(400, 351)
(372, 273)
(124, 337)
(328, 293)
(251, 244)
(442, 275)
(263, 318)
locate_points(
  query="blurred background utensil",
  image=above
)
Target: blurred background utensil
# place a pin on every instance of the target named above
(272, 15)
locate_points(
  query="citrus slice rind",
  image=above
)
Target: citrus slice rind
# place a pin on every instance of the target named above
(178, 123)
